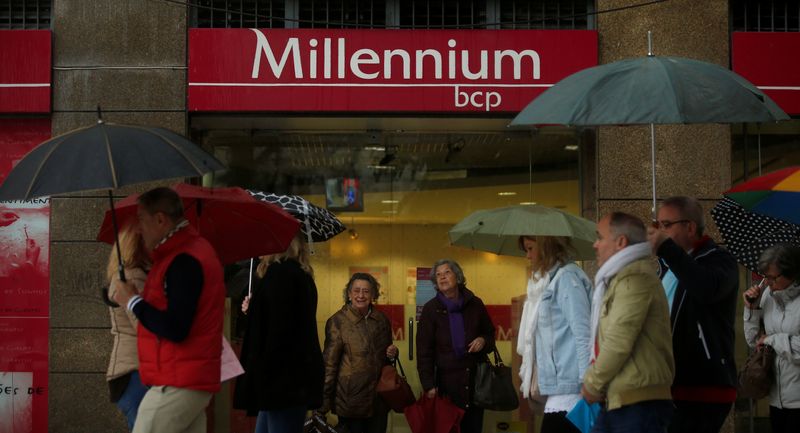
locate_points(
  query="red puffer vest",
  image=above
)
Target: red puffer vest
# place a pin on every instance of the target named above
(194, 363)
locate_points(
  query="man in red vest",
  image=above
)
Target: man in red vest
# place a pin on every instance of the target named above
(180, 314)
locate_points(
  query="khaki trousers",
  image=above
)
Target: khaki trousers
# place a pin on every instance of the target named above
(167, 409)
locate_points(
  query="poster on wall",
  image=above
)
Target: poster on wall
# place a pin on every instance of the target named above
(24, 290)
(425, 289)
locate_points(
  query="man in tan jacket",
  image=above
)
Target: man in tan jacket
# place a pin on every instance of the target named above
(632, 366)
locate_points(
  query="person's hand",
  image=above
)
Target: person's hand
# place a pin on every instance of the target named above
(751, 296)
(656, 237)
(760, 342)
(392, 351)
(431, 393)
(589, 397)
(245, 304)
(123, 292)
(477, 345)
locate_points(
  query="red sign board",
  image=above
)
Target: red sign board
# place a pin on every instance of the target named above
(771, 61)
(25, 71)
(316, 70)
(24, 289)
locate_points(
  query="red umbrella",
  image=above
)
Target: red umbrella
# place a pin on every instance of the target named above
(236, 224)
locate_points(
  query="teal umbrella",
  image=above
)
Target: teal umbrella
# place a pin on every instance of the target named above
(498, 230)
(651, 90)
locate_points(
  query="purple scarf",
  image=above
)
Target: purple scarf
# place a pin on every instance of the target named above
(457, 333)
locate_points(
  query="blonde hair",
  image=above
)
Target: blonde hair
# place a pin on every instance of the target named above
(132, 249)
(298, 250)
(552, 250)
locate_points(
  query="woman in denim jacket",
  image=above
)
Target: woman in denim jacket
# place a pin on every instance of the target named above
(554, 331)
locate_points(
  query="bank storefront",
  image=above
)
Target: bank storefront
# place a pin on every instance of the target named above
(402, 133)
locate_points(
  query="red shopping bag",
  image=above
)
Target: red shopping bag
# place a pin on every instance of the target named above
(434, 415)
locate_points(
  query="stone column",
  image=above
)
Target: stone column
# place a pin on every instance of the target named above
(128, 56)
(691, 160)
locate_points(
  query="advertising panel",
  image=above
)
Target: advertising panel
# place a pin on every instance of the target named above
(25, 71)
(770, 61)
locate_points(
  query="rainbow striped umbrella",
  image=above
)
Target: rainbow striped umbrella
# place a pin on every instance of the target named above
(776, 194)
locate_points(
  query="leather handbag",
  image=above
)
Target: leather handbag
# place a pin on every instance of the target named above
(756, 377)
(494, 389)
(393, 387)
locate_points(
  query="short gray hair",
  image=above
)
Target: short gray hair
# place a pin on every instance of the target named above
(786, 257)
(689, 208)
(624, 224)
(454, 266)
(374, 286)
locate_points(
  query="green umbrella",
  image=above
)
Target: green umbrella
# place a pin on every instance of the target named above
(651, 90)
(498, 230)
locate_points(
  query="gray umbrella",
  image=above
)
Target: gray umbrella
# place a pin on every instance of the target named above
(651, 90)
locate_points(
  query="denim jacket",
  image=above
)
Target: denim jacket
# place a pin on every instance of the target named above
(562, 331)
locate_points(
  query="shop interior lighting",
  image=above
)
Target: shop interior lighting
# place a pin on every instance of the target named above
(571, 147)
(390, 201)
(527, 203)
(506, 193)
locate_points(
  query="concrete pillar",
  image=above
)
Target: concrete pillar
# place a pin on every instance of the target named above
(129, 56)
(691, 160)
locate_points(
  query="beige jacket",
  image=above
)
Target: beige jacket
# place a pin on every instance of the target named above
(634, 361)
(124, 355)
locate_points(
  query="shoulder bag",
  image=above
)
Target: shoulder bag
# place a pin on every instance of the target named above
(393, 387)
(494, 389)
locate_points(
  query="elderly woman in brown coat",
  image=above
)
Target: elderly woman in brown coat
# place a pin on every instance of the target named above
(358, 343)
(455, 333)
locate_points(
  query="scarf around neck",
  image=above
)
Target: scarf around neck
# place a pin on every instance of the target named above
(454, 314)
(610, 268)
(526, 344)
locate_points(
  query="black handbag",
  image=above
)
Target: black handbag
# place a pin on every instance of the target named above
(755, 378)
(494, 389)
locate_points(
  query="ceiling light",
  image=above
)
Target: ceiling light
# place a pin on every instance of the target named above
(527, 203)
(375, 148)
(382, 167)
(390, 201)
(505, 193)
(353, 234)
(390, 212)
(571, 147)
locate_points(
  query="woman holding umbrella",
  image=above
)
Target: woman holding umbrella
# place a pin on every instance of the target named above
(124, 384)
(281, 355)
(455, 333)
(779, 310)
(554, 330)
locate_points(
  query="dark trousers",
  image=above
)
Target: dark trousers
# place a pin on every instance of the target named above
(644, 417)
(557, 422)
(694, 417)
(472, 421)
(784, 420)
(373, 424)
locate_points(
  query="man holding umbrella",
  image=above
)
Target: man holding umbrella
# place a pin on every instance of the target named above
(180, 316)
(701, 281)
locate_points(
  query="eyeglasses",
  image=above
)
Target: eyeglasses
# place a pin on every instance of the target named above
(357, 291)
(772, 278)
(667, 224)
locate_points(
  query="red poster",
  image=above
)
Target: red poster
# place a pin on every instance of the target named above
(380, 70)
(395, 314)
(501, 318)
(25, 71)
(770, 60)
(24, 290)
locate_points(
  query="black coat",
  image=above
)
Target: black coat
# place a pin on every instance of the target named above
(281, 354)
(437, 363)
(703, 313)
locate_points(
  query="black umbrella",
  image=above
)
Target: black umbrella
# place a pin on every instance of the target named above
(316, 223)
(748, 234)
(105, 156)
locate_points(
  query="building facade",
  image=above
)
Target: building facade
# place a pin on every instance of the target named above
(301, 97)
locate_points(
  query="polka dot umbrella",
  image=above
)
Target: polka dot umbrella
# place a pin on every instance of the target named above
(747, 234)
